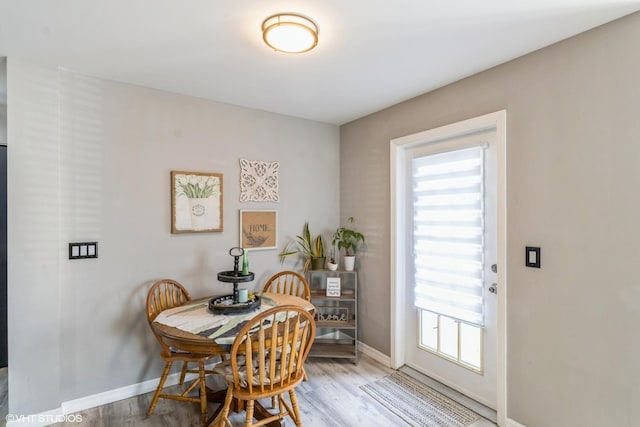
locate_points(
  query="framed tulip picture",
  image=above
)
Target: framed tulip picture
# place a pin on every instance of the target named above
(196, 202)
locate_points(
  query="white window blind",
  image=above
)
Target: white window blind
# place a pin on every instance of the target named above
(449, 233)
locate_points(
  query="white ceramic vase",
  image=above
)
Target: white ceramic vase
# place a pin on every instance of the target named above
(202, 213)
(349, 262)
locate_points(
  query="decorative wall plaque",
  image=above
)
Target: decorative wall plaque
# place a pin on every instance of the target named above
(258, 181)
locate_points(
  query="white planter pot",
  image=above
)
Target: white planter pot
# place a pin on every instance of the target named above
(203, 215)
(349, 263)
(332, 267)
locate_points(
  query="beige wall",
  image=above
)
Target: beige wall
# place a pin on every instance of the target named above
(90, 160)
(573, 174)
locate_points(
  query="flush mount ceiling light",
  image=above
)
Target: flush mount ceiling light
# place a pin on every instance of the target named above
(290, 33)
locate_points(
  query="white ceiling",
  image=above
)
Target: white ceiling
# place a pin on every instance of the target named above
(371, 54)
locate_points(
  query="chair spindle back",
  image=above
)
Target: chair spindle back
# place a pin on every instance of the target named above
(274, 345)
(290, 283)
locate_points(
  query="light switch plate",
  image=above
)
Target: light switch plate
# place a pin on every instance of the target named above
(83, 250)
(532, 256)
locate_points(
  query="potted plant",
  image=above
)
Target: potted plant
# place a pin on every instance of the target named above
(318, 258)
(332, 263)
(349, 240)
(311, 247)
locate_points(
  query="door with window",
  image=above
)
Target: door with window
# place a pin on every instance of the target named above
(450, 262)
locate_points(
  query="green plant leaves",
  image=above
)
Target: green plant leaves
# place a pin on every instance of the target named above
(194, 188)
(305, 244)
(347, 239)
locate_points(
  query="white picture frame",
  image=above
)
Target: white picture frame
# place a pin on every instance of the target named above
(333, 286)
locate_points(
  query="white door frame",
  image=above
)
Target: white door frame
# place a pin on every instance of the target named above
(494, 121)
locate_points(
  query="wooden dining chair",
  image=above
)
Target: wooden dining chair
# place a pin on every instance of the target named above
(267, 357)
(290, 283)
(165, 294)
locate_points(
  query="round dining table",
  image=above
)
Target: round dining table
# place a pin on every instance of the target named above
(193, 327)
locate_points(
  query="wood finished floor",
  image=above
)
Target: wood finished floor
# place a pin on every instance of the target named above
(331, 398)
(4, 394)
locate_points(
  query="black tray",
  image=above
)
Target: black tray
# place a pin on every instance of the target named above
(232, 276)
(225, 305)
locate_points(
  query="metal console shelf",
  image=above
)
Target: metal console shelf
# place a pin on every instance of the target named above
(336, 316)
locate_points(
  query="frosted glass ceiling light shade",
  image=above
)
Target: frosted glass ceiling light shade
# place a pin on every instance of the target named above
(290, 33)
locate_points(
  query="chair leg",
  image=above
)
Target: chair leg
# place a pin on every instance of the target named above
(224, 417)
(156, 395)
(203, 393)
(283, 409)
(294, 407)
(249, 421)
(183, 373)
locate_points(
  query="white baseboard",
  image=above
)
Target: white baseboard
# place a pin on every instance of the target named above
(66, 408)
(512, 423)
(374, 354)
(121, 393)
